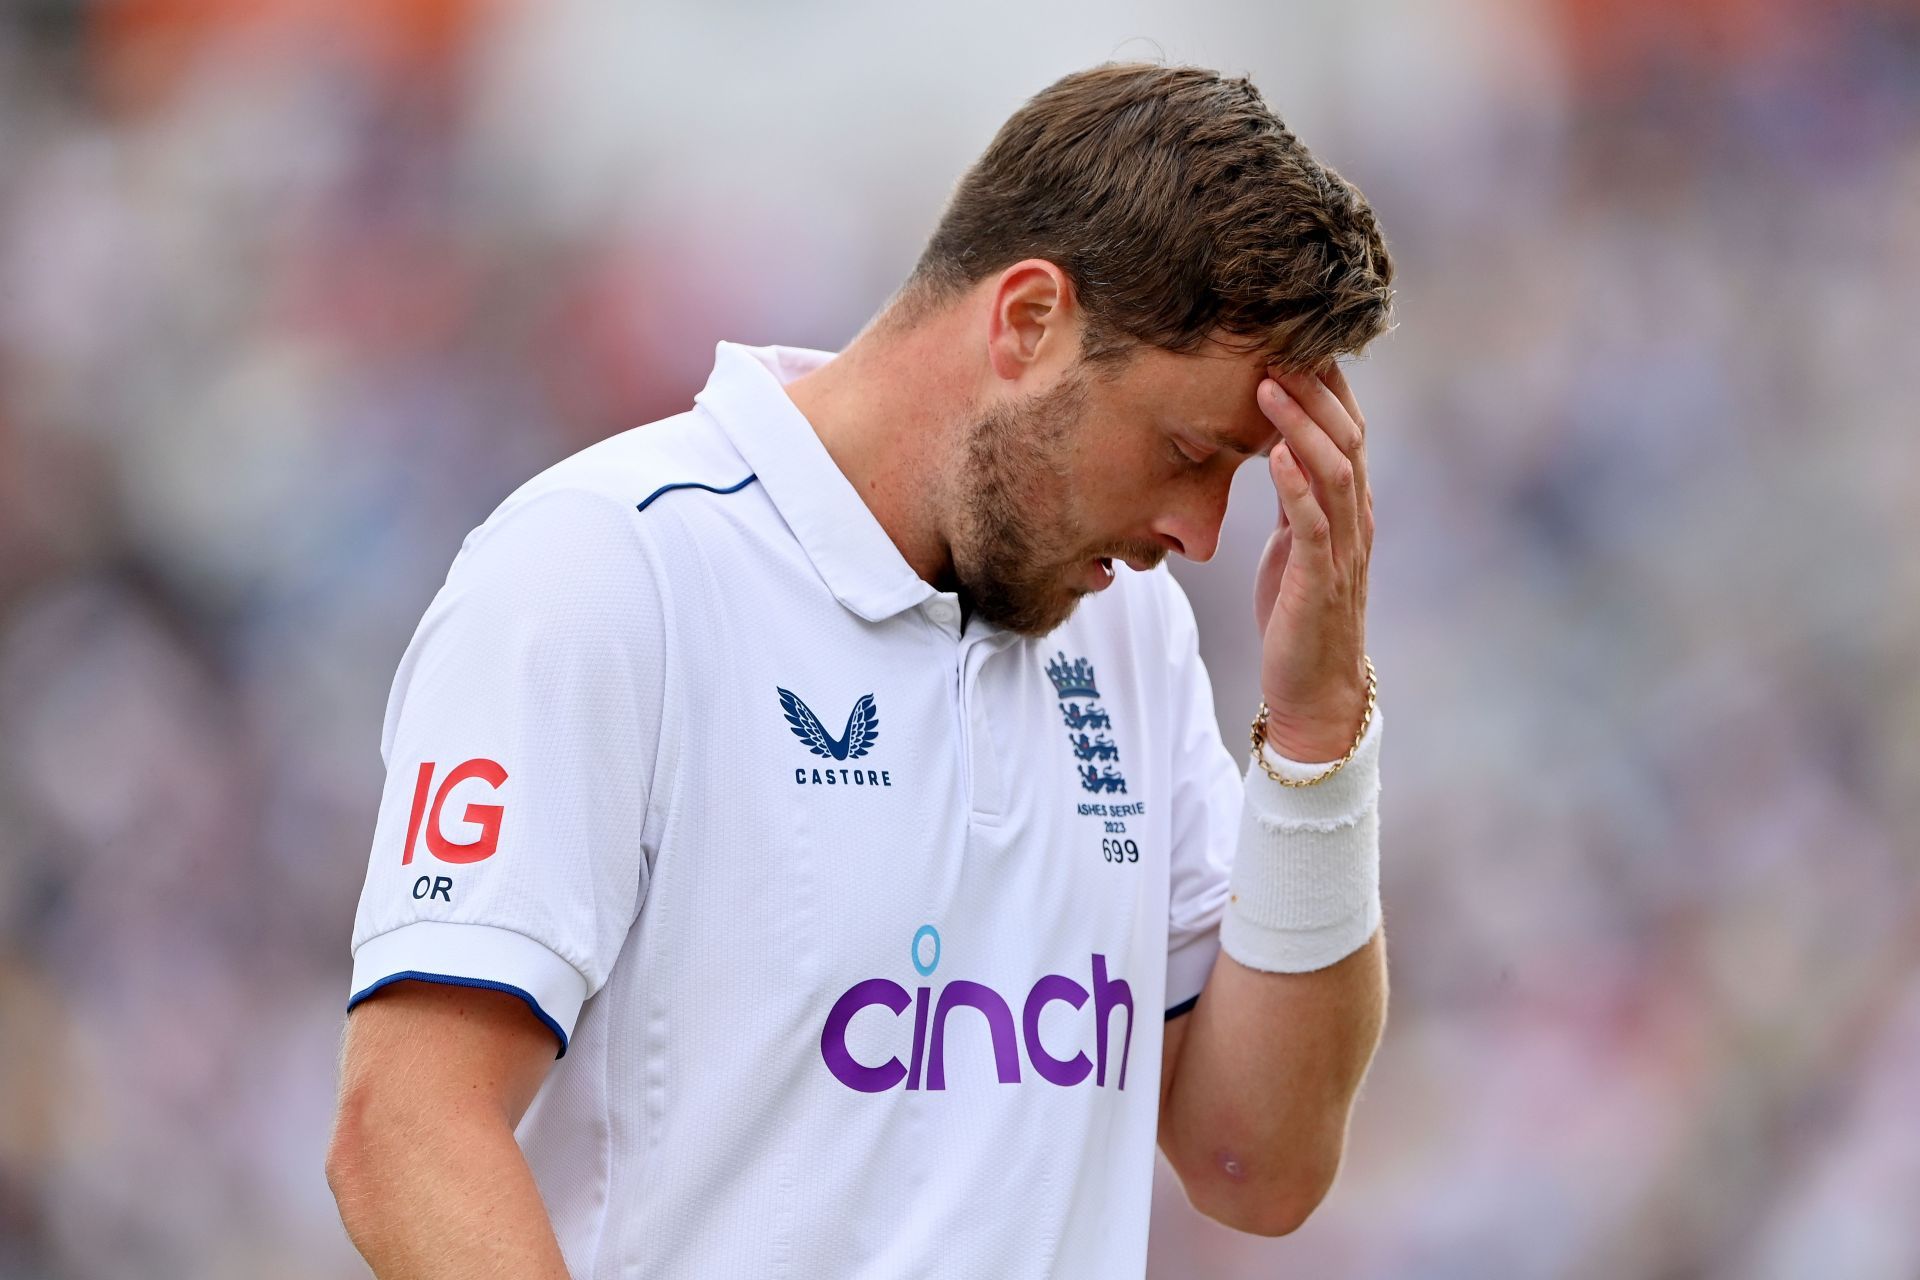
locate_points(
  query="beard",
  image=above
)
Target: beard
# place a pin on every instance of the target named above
(1020, 540)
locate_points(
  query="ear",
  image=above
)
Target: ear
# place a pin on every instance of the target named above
(1033, 325)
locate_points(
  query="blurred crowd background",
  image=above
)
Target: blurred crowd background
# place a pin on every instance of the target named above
(293, 292)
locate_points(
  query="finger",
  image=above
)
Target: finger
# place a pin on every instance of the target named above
(1324, 407)
(1336, 379)
(1331, 402)
(1309, 527)
(1315, 451)
(1286, 521)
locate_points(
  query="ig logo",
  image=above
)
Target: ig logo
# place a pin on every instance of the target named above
(484, 816)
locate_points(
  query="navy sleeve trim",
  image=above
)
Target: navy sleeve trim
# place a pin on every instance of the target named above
(694, 484)
(450, 980)
(1185, 1006)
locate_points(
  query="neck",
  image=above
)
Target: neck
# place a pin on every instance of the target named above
(885, 409)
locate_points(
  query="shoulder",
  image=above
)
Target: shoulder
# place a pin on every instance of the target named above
(642, 465)
(568, 582)
(617, 504)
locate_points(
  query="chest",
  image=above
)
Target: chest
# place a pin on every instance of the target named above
(841, 796)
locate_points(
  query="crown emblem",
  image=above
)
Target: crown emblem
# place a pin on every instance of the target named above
(1072, 679)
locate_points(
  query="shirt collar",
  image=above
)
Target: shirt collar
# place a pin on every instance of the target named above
(849, 549)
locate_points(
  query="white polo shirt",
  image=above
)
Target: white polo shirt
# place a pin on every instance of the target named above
(857, 929)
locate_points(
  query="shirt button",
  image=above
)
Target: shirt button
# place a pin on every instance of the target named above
(943, 612)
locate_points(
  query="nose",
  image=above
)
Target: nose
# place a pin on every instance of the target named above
(1190, 527)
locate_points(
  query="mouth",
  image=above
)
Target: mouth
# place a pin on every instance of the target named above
(1101, 569)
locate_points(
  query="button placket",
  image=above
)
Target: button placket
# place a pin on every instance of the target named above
(943, 615)
(986, 793)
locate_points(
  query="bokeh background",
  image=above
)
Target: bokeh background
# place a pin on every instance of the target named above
(293, 292)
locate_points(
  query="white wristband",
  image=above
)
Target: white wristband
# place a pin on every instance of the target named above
(1305, 887)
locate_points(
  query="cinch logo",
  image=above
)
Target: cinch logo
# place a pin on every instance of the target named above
(484, 816)
(929, 1041)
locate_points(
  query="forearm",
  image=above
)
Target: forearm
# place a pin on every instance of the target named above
(1257, 1101)
(427, 1199)
(1256, 1115)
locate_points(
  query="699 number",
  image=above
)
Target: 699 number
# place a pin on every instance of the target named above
(1119, 850)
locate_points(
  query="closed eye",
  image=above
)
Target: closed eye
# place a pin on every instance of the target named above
(1187, 455)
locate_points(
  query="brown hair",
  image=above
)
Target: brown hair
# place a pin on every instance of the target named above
(1180, 207)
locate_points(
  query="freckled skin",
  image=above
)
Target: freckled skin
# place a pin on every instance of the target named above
(1128, 467)
(1004, 466)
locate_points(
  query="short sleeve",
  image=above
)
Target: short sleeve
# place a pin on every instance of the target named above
(1205, 813)
(520, 741)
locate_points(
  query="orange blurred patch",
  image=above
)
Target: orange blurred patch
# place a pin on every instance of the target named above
(142, 51)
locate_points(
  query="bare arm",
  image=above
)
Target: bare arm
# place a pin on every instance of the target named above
(423, 1162)
(1256, 1091)
(1258, 1081)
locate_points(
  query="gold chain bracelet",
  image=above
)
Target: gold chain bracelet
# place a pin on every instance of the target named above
(1366, 718)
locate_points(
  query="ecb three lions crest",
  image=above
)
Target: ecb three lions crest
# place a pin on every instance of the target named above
(1089, 727)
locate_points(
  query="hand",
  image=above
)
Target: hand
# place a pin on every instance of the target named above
(1310, 593)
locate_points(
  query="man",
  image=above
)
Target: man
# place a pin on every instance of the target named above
(828, 776)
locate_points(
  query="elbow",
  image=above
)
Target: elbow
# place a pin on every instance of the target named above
(364, 1173)
(350, 1158)
(1275, 1203)
(1278, 1216)
(1262, 1211)
(343, 1163)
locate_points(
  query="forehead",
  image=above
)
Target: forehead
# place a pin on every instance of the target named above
(1209, 390)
